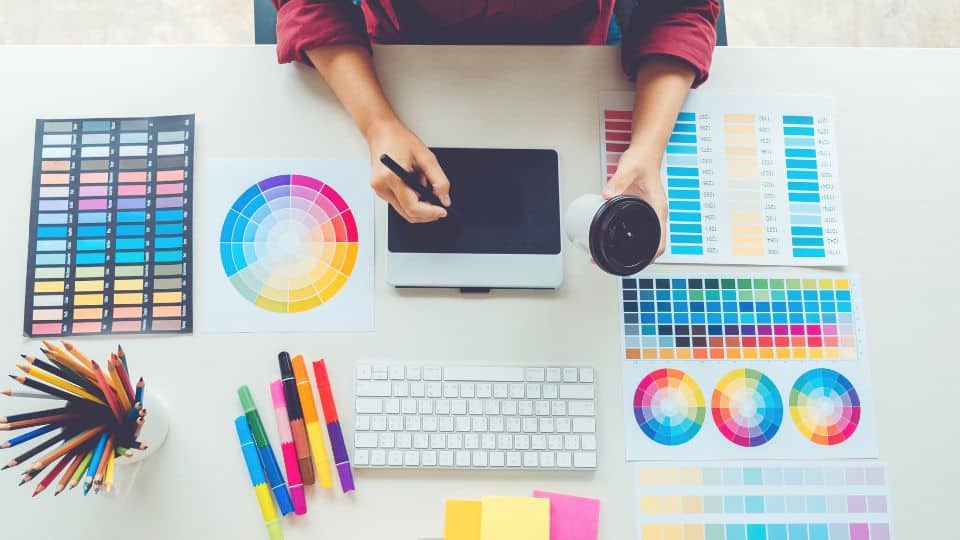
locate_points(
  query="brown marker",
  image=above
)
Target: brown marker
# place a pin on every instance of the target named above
(295, 413)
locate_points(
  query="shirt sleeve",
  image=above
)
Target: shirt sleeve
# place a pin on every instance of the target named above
(684, 29)
(306, 24)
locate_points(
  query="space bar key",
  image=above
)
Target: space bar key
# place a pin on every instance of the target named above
(483, 373)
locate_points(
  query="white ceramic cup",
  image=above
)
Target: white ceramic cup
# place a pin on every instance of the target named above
(621, 234)
(154, 433)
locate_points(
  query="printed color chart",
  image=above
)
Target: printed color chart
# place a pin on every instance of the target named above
(111, 223)
(734, 317)
(676, 410)
(749, 179)
(773, 501)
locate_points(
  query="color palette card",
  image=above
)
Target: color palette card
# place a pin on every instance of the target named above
(718, 317)
(749, 179)
(291, 246)
(770, 501)
(698, 411)
(111, 227)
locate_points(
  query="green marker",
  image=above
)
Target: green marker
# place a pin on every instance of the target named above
(267, 457)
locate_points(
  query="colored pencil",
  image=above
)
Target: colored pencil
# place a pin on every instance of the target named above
(102, 466)
(334, 430)
(29, 395)
(108, 478)
(66, 386)
(270, 465)
(59, 371)
(108, 392)
(287, 449)
(52, 475)
(67, 362)
(78, 474)
(75, 352)
(295, 412)
(52, 419)
(47, 389)
(30, 435)
(68, 446)
(251, 457)
(91, 473)
(117, 384)
(34, 414)
(312, 422)
(123, 358)
(138, 393)
(77, 458)
(35, 450)
(124, 378)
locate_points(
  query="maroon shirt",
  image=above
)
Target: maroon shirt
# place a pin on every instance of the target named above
(684, 29)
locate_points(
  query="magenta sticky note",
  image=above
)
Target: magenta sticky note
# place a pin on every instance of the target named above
(571, 517)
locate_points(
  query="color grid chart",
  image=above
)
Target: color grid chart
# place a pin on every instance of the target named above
(749, 179)
(739, 317)
(111, 227)
(773, 501)
(721, 410)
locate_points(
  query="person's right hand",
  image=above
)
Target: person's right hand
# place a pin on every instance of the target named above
(395, 140)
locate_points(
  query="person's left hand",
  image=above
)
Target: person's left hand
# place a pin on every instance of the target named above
(638, 173)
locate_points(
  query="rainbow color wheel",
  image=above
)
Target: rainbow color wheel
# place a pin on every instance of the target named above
(289, 243)
(747, 407)
(825, 406)
(669, 406)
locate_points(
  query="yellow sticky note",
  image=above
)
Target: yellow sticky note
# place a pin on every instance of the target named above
(514, 518)
(462, 520)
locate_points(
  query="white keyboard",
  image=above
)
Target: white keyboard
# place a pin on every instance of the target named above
(475, 417)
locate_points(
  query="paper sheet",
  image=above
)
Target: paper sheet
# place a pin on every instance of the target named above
(571, 517)
(515, 518)
(462, 520)
(769, 500)
(750, 179)
(286, 246)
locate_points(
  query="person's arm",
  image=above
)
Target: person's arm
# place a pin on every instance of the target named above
(667, 47)
(661, 87)
(349, 72)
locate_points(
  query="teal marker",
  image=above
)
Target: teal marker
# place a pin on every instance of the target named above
(267, 457)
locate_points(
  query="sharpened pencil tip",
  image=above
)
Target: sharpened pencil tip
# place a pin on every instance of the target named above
(22, 355)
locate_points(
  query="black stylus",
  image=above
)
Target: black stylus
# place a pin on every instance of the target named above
(412, 179)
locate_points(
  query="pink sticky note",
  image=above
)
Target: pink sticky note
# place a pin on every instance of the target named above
(571, 518)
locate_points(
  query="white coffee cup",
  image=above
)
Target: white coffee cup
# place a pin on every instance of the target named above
(621, 234)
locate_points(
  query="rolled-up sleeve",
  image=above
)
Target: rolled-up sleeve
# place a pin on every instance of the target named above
(306, 24)
(684, 29)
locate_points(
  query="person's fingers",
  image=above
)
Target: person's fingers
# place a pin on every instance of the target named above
(617, 185)
(434, 174)
(418, 211)
(387, 196)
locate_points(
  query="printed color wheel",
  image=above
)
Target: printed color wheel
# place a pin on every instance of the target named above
(669, 406)
(747, 407)
(825, 406)
(289, 243)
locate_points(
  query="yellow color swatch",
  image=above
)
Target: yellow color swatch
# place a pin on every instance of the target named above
(462, 520)
(515, 518)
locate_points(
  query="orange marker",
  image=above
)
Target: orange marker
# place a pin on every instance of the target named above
(312, 421)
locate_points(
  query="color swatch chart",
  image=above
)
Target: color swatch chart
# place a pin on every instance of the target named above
(739, 317)
(292, 245)
(799, 410)
(110, 227)
(773, 501)
(749, 179)
(289, 243)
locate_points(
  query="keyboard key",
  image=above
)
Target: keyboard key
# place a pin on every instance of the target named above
(458, 406)
(525, 408)
(512, 424)
(445, 423)
(421, 440)
(514, 459)
(585, 460)
(361, 457)
(428, 423)
(404, 440)
(478, 424)
(413, 373)
(394, 458)
(468, 390)
(434, 389)
(412, 422)
(546, 460)
(362, 423)
(391, 405)
(428, 458)
(373, 389)
(432, 374)
(471, 441)
(588, 442)
(451, 390)
(411, 458)
(379, 373)
(462, 458)
(364, 372)
(369, 406)
(443, 406)
(576, 391)
(533, 391)
(581, 408)
(378, 423)
(475, 406)
(484, 390)
(400, 389)
(541, 408)
(488, 441)
(461, 423)
(497, 459)
(547, 425)
(529, 425)
(586, 375)
(508, 407)
(553, 374)
(563, 425)
(538, 442)
(571, 442)
(386, 440)
(483, 374)
(516, 391)
(584, 425)
(535, 374)
(365, 440)
(417, 389)
(454, 440)
(555, 442)
(408, 406)
(496, 423)
(396, 372)
(551, 391)
(438, 440)
(479, 458)
(504, 442)
(570, 374)
(378, 457)
(558, 408)
(564, 459)
(530, 459)
(521, 442)
(425, 406)
(500, 391)
(445, 458)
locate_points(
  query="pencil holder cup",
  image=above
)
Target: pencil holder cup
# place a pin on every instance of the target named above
(154, 433)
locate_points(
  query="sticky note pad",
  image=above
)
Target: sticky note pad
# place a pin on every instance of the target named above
(514, 518)
(462, 520)
(571, 518)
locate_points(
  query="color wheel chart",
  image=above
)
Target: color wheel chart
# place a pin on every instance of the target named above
(749, 179)
(289, 243)
(111, 227)
(746, 407)
(733, 317)
(772, 501)
(293, 246)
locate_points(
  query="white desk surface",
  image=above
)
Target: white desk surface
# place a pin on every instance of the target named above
(897, 120)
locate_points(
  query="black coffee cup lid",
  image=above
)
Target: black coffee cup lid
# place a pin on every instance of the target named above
(624, 235)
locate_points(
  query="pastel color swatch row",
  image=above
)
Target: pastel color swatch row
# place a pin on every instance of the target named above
(732, 318)
(766, 531)
(111, 227)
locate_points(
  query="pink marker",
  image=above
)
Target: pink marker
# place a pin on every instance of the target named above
(289, 450)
